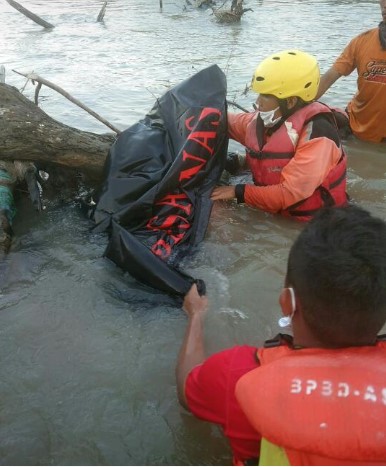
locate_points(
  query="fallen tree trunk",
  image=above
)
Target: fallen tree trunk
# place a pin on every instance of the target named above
(27, 133)
(29, 137)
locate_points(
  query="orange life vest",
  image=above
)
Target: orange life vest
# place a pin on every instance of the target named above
(266, 161)
(323, 406)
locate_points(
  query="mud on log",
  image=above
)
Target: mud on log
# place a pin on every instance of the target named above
(27, 133)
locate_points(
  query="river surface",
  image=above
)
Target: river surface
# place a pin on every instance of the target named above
(87, 354)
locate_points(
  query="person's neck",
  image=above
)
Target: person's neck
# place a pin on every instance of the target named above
(303, 336)
(382, 34)
(309, 341)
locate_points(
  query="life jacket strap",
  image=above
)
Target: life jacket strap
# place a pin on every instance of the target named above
(279, 339)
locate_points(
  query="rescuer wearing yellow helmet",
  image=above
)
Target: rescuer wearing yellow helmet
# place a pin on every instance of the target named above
(288, 74)
(293, 148)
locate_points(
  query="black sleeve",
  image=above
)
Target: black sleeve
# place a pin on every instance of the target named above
(240, 190)
(323, 125)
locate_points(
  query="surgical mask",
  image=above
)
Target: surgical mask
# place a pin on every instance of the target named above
(267, 117)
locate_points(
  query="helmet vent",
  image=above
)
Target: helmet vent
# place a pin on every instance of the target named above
(275, 58)
(291, 53)
(260, 78)
(308, 84)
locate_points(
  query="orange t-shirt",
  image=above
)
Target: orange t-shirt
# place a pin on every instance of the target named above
(304, 173)
(367, 109)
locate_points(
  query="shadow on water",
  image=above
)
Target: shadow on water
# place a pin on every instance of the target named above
(88, 354)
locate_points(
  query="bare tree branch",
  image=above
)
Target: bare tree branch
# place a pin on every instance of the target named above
(30, 15)
(39, 79)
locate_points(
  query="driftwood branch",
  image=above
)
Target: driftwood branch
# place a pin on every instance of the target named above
(38, 87)
(238, 106)
(200, 3)
(27, 133)
(30, 15)
(102, 13)
(40, 80)
(233, 15)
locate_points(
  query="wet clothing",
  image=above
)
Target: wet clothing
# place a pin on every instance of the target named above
(292, 161)
(212, 389)
(367, 109)
(334, 399)
(210, 395)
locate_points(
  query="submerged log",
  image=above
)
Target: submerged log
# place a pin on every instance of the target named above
(27, 133)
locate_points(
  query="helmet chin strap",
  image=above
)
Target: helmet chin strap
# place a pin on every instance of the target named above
(286, 110)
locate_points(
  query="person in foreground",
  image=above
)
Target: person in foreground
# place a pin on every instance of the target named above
(367, 54)
(293, 148)
(319, 397)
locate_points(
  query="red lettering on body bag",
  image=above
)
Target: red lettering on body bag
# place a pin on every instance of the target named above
(172, 200)
(175, 227)
(191, 172)
(205, 112)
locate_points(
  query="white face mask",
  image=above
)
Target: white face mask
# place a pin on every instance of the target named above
(267, 117)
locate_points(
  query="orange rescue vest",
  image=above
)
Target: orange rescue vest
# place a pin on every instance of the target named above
(323, 406)
(266, 161)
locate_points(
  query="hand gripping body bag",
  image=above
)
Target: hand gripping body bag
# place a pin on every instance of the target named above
(155, 198)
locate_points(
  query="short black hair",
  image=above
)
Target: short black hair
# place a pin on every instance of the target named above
(337, 267)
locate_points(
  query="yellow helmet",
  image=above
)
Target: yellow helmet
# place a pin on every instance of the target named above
(288, 73)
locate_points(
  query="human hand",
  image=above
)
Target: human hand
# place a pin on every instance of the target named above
(223, 192)
(194, 303)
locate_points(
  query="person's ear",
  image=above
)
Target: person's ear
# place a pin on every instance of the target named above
(287, 301)
(291, 102)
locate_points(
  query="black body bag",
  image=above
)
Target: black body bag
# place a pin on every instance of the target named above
(155, 199)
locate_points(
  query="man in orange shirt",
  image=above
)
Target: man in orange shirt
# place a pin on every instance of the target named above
(367, 54)
(292, 144)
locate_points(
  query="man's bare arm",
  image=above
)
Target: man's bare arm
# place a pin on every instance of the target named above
(327, 80)
(192, 350)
